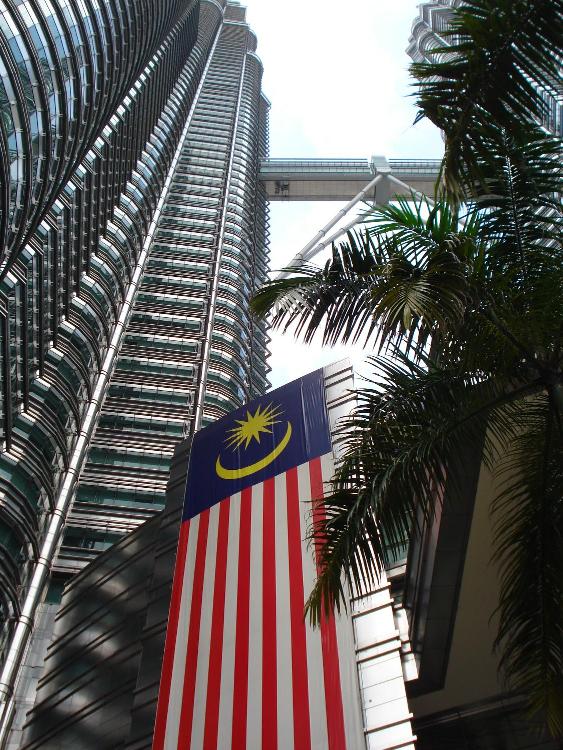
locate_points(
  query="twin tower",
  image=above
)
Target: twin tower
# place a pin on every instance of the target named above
(133, 232)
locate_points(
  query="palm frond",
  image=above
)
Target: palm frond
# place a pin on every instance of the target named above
(528, 525)
(502, 56)
(525, 164)
(405, 440)
(402, 282)
(520, 209)
(335, 299)
(419, 225)
(406, 437)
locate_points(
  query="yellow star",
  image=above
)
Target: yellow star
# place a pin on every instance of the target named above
(253, 426)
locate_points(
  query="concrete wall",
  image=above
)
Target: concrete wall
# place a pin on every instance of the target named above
(100, 681)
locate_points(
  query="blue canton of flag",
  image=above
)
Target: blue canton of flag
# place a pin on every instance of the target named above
(265, 437)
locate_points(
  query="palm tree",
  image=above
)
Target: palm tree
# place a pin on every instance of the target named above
(462, 300)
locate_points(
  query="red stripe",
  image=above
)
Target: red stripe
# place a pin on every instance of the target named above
(186, 718)
(331, 667)
(217, 621)
(300, 683)
(269, 659)
(240, 688)
(171, 632)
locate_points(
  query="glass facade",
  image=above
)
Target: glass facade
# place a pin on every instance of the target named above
(130, 139)
(190, 331)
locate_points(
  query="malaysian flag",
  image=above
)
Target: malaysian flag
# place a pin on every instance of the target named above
(242, 667)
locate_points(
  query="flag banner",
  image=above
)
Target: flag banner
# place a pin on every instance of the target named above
(242, 667)
(265, 437)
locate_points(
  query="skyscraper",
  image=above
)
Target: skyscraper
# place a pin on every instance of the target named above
(133, 230)
(191, 351)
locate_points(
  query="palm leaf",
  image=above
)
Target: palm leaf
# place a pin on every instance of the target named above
(528, 516)
(402, 282)
(502, 56)
(408, 437)
(336, 298)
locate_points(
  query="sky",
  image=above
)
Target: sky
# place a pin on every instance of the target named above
(336, 74)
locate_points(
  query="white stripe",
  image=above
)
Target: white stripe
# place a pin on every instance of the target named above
(203, 647)
(349, 681)
(283, 638)
(228, 660)
(254, 709)
(179, 664)
(315, 673)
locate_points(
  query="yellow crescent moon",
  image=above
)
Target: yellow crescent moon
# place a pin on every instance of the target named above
(246, 471)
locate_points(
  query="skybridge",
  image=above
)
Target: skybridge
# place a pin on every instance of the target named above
(375, 181)
(342, 179)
